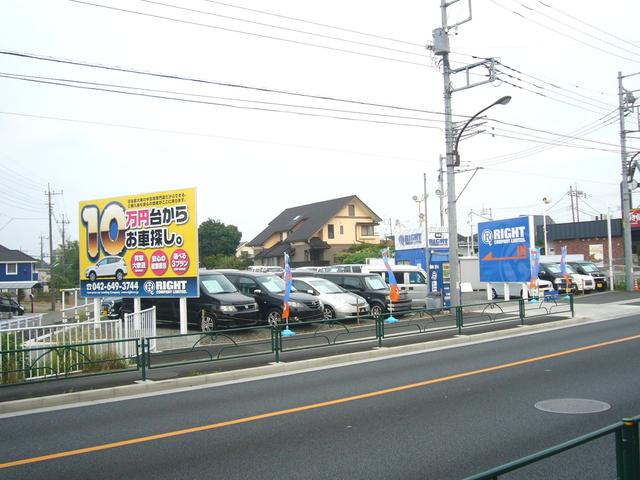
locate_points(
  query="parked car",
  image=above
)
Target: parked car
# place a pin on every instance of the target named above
(111, 266)
(409, 278)
(552, 273)
(372, 287)
(338, 302)
(516, 290)
(9, 305)
(355, 268)
(589, 268)
(584, 283)
(219, 305)
(267, 289)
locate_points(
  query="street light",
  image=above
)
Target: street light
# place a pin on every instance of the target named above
(544, 223)
(501, 101)
(453, 160)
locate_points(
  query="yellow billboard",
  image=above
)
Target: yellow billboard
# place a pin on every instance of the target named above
(143, 245)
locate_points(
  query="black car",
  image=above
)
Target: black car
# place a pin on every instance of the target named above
(372, 287)
(552, 272)
(268, 291)
(9, 305)
(589, 268)
(219, 305)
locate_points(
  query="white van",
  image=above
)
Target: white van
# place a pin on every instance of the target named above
(410, 279)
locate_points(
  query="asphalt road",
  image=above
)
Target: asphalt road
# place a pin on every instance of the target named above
(406, 417)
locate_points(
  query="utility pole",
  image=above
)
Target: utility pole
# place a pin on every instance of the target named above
(440, 47)
(441, 191)
(63, 222)
(626, 103)
(427, 259)
(573, 213)
(49, 194)
(42, 238)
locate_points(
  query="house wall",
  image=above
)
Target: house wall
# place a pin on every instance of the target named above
(581, 246)
(25, 272)
(352, 227)
(273, 239)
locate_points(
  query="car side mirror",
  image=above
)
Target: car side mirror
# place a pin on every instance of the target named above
(311, 292)
(257, 291)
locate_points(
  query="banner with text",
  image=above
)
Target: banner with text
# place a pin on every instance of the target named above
(142, 245)
(504, 250)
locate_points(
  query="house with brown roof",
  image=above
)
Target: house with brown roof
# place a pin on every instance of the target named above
(313, 234)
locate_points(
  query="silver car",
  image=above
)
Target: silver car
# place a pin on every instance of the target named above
(338, 302)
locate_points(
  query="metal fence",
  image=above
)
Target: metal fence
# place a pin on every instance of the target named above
(35, 350)
(40, 352)
(21, 322)
(627, 445)
(140, 325)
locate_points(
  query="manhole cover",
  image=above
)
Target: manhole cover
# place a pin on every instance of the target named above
(572, 405)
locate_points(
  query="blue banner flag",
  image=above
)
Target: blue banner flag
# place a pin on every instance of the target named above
(288, 277)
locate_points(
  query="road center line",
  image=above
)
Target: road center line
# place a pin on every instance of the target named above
(312, 406)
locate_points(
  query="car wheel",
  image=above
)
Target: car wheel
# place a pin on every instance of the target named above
(208, 322)
(274, 317)
(376, 310)
(119, 275)
(328, 313)
(92, 276)
(494, 294)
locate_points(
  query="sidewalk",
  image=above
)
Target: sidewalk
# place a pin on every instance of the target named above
(58, 392)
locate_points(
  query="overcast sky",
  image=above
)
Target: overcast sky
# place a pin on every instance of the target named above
(559, 60)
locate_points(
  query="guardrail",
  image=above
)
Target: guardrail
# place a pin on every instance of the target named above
(163, 351)
(627, 451)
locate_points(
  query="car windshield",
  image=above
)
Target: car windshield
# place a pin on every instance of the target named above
(555, 268)
(589, 267)
(272, 283)
(375, 282)
(325, 286)
(217, 284)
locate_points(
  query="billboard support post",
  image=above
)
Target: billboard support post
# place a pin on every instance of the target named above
(183, 316)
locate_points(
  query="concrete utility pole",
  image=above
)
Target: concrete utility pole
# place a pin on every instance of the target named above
(626, 103)
(427, 259)
(49, 194)
(441, 191)
(440, 47)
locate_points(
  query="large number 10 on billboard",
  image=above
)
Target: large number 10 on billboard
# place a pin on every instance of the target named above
(140, 245)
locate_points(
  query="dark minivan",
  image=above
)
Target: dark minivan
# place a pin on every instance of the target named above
(552, 272)
(372, 287)
(268, 291)
(589, 268)
(219, 305)
(9, 306)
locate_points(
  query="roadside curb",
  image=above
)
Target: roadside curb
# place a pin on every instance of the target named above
(248, 374)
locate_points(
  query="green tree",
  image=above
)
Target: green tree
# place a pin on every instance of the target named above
(66, 269)
(216, 238)
(226, 261)
(359, 252)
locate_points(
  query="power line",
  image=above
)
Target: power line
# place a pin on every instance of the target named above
(208, 82)
(602, 106)
(573, 17)
(58, 81)
(182, 132)
(574, 28)
(204, 12)
(259, 35)
(219, 104)
(315, 23)
(603, 121)
(529, 173)
(561, 33)
(555, 144)
(549, 97)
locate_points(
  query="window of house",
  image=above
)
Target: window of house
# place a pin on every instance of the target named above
(352, 210)
(367, 230)
(341, 229)
(330, 232)
(12, 268)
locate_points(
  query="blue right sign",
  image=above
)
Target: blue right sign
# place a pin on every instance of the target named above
(504, 250)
